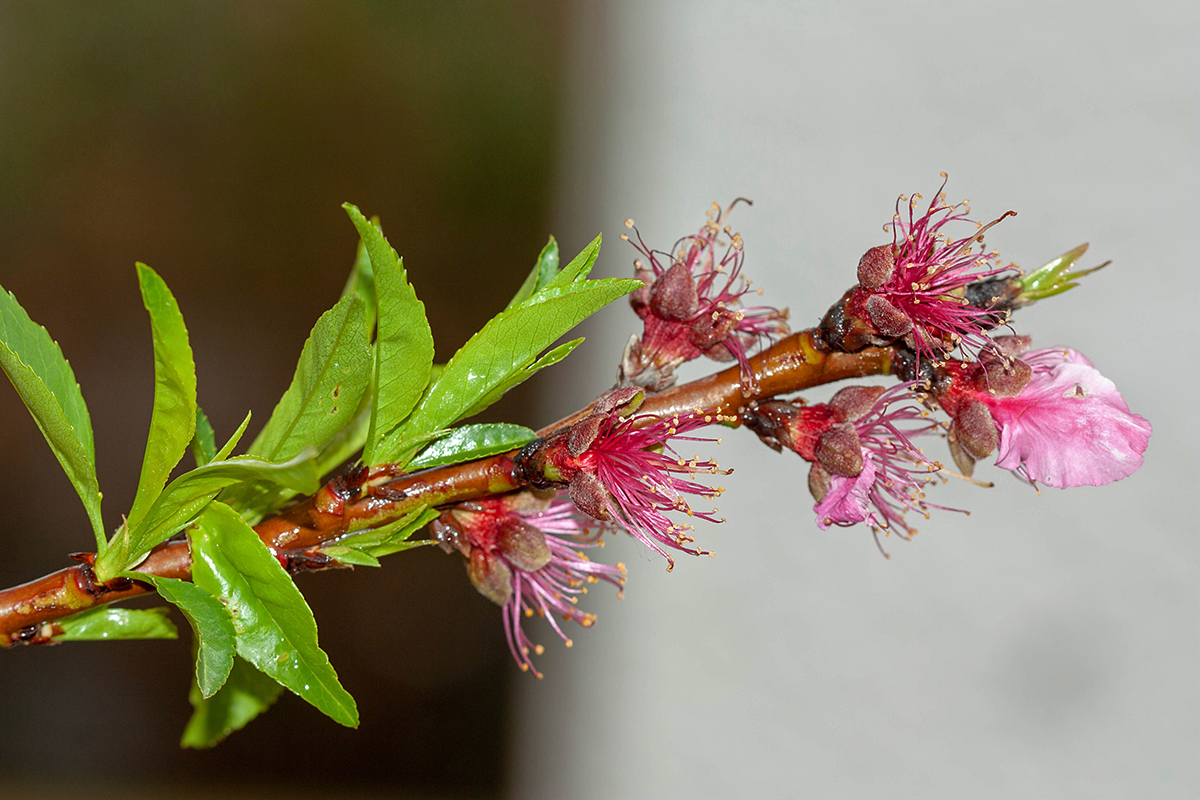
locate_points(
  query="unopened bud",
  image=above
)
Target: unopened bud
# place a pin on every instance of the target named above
(490, 575)
(975, 430)
(854, 402)
(876, 266)
(840, 451)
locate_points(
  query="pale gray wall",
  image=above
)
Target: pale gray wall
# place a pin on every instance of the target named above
(1046, 646)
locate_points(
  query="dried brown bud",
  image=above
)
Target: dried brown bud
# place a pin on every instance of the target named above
(840, 451)
(523, 545)
(673, 296)
(975, 430)
(888, 320)
(819, 482)
(490, 575)
(589, 495)
(853, 402)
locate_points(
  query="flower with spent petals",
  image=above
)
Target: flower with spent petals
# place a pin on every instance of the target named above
(1052, 416)
(526, 555)
(692, 305)
(865, 468)
(620, 467)
(915, 289)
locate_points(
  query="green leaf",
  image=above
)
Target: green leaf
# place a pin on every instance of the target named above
(579, 267)
(246, 694)
(499, 356)
(173, 420)
(1053, 277)
(362, 279)
(370, 545)
(186, 496)
(106, 622)
(274, 627)
(542, 273)
(404, 345)
(204, 442)
(47, 386)
(520, 376)
(331, 377)
(473, 441)
(211, 624)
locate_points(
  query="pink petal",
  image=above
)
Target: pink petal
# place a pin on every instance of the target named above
(1069, 426)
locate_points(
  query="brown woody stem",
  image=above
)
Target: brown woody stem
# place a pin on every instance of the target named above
(354, 501)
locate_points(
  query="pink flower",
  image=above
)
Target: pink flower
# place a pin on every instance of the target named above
(914, 289)
(621, 467)
(893, 474)
(865, 467)
(527, 556)
(692, 306)
(1069, 426)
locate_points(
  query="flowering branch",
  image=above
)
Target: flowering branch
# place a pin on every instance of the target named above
(521, 507)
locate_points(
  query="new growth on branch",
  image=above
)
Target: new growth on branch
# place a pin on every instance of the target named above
(365, 449)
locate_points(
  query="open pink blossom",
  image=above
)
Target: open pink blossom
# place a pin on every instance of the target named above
(914, 289)
(894, 471)
(693, 305)
(1069, 426)
(621, 467)
(527, 556)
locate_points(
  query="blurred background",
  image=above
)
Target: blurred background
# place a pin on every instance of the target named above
(1045, 646)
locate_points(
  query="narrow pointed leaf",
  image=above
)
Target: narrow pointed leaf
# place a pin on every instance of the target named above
(211, 624)
(245, 694)
(173, 419)
(505, 348)
(108, 623)
(551, 358)
(473, 441)
(204, 442)
(188, 495)
(578, 268)
(542, 273)
(274, 627)
(331, 377)
(44, 380)
(362, 279)
(404, 344)
(384, 540)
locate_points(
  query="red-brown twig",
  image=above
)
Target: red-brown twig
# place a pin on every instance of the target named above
(795, 363)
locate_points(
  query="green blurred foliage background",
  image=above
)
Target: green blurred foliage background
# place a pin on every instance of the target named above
(215, 141)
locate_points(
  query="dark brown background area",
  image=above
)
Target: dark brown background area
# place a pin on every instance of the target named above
(215, 142)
